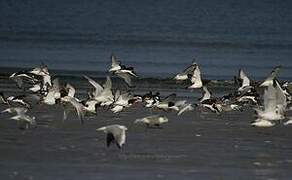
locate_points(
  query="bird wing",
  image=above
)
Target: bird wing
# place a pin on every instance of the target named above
(108, 83)
(79, 108)
(280, 96)
(120, 136)
(244, 78)
(170, 97)
(125, 76)
(98, 87)
(270, 100)
(115, 62)
(196, 75)
(190, 69)
(109, 139)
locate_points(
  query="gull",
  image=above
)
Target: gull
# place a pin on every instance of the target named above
(114, 134)
(262, 123)
(115, 64)
(126, 73)
(72, 102)
(196, 78)
(274, 103)
(245, 81)
(102, 94)
(153, 120)
(21, 116)
(168, 103)
(26, 119)
(269, 80)
(124, 100)
(186, 73)
(121, 101)
(16, 110)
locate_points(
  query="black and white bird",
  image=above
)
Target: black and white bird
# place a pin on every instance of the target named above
(168, 103)
(126, 73)
(186, 73)
(114, 134)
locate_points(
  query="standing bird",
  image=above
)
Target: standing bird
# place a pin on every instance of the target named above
(114, 134)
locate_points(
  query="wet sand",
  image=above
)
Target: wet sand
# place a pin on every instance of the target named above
(192, 146)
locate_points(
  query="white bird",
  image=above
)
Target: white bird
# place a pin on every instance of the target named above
(80, 109)
(115, 64)
(245, 81)
(126, 73)
(153, 120)
(206, 94)
(121, 101)
(26, 119)
(114, 134)
(16, 110)
(196, 78)
(262, 123)
(102, 94)
(274, 103)
(21, 117)
(269, 80)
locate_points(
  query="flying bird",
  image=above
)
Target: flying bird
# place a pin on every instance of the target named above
(114, 134)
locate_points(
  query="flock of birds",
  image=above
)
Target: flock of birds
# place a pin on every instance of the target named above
(42, 88)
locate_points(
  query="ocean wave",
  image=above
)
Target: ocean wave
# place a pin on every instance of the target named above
(133, 40)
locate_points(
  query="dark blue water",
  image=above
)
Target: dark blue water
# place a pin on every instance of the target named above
(159, 38)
